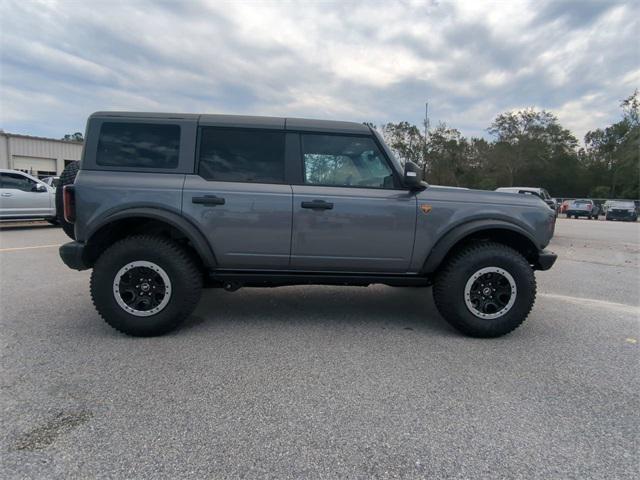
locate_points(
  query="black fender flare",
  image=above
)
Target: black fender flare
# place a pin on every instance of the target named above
(457, 233)
(195, 236)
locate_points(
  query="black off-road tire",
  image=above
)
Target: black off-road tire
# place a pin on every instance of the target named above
(449, 286)
(180, 267)
(67, 177)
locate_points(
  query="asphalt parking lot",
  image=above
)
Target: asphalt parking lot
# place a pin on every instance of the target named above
(324, 382)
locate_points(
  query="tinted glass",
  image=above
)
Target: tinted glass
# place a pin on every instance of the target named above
(230, 155)
(344, 161)
(138, 145)
(15, 181)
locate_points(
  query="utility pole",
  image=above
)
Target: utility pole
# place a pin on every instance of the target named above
(426, 121)
(426, 135)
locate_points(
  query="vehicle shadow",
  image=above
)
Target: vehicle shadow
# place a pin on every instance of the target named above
(376, 306)
(9, 226)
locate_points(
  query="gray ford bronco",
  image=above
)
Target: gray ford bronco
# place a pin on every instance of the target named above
(163, 205)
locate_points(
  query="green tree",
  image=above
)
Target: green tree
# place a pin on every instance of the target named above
(406, 141)
(527, 143)
(448, 156)
(613, 153)
(73, 137)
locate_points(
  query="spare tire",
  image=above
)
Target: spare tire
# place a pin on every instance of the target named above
(67, 177)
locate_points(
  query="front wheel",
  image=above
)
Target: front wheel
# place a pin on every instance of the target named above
(485, 290)
(145, 285)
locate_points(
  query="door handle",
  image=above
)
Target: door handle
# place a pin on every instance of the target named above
(318, 205)
(7, 194)
(208, 200)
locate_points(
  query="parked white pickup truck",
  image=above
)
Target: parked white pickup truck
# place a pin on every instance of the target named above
(25, 197)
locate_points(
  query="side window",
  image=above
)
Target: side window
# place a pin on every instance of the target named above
(344, 161)
(229, 155)
(15, 181)
(145, 145)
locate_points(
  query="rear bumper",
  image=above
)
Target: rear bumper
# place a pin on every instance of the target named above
(72, 254)
(545, 260)
(579, 213)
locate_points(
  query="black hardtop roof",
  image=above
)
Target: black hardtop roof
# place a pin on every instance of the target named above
(248, 121)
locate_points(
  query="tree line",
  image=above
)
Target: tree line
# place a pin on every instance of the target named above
(529, 148)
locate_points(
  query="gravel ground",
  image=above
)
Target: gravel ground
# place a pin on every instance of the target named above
(323, 382)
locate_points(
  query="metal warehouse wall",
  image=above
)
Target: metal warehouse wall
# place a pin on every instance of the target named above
(37, 155)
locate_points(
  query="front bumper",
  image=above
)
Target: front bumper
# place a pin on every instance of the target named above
(620, 215)
(72, 254)
(545, 260)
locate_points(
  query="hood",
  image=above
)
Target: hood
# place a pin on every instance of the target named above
(481, 196)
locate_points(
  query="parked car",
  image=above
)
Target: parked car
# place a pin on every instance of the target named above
(51, 181)
(540, 192)
(583, 208)
(25, 197)
(622, 210)
(274, 201)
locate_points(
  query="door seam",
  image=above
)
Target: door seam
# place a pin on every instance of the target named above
(291, 234)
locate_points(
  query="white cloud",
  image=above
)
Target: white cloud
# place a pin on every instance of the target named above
(363, 61)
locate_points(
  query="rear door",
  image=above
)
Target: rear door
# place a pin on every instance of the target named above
(348, 214)
(238, 197)
(18, 196)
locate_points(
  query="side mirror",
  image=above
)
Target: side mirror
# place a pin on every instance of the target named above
(39, 187)
(413, 176)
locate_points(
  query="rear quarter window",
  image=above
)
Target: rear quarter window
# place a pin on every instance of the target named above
(144, 145)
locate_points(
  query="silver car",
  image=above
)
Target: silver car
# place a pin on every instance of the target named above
(23, 196)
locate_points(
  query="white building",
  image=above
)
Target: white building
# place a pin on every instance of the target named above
(37, 156)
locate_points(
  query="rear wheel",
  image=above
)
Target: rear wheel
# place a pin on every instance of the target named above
(67, 177)
(485, 290)
(145, 285)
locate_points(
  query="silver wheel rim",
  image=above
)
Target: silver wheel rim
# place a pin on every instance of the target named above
(142, 288)
(490, 293)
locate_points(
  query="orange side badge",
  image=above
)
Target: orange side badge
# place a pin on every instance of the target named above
(426, 208)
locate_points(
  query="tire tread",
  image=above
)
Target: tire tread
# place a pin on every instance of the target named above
(445, 283)
(67, 177)
(166, 248)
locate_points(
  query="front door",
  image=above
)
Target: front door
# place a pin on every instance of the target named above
(348, 215)
(238, 197)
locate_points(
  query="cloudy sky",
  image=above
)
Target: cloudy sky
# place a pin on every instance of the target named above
(371, 61)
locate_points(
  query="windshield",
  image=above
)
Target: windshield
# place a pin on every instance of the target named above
(582, 202)
(396, 163)
(623, 205)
